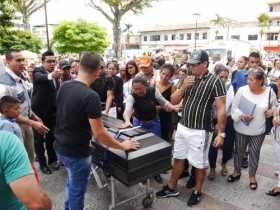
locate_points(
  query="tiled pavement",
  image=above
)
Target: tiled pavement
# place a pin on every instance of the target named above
(218, 194)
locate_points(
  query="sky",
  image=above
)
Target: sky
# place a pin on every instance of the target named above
(164, 12)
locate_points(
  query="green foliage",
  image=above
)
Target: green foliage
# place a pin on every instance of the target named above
(264, 20)
(78, 36)
(6, 14)
(28, 7)
(219, 21)
(19, 39)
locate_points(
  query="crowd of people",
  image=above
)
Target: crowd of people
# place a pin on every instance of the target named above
(50, 112)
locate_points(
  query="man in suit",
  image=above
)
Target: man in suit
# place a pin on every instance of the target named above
(45, 86)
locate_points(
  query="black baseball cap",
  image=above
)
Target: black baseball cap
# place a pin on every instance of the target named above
(64, 65)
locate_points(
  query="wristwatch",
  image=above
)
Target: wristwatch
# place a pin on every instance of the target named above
(223, 135)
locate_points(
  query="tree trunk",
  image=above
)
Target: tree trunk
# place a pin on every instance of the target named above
(117, 38)
(25, 21)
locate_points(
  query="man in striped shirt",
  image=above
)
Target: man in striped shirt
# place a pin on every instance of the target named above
(194, 132)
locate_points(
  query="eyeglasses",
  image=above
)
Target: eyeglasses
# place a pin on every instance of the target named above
(51, 61)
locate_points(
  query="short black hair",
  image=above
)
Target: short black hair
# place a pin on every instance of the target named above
(90, 62)
(168, 67)
(47, 53)
(245, 58)
(140, 79)
(255, 54)
(7, 101)
(9, 53)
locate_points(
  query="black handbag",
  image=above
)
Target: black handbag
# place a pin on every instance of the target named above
(268, 120)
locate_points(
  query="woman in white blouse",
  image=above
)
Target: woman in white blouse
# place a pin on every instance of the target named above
(249, 110)
(131, 70)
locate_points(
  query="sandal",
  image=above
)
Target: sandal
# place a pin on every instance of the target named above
(232, 178)
(211, 175)
(253, 185)
(224, 171)
(273, 192)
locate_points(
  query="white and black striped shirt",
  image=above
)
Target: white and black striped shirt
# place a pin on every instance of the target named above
(198, 102)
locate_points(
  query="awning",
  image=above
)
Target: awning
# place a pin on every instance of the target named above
(272, 48)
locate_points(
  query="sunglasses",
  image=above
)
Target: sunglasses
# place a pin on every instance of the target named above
(20, 60)
(51, 61)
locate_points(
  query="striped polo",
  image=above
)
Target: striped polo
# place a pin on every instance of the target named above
(198, 100)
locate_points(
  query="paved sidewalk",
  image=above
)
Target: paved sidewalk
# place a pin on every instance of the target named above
(218, 194)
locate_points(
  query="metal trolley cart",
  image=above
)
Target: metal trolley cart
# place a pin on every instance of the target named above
(132, 167)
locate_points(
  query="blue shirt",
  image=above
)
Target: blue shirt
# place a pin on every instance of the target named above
(9, 124)
(240, 79)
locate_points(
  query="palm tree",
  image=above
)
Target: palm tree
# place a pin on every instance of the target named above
(222, 22)
(264, 23)
(26, 8)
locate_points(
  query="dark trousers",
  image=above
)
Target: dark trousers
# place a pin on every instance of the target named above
(120, 110)
(227, 147)
(45, 143)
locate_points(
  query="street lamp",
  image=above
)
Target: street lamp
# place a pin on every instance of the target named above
(46, 23)
(195, 15)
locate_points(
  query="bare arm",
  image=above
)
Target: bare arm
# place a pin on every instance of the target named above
(37, 125)
(221, 113)
(109, 100)
(29, 192)
(103, 136)
(221, 118)
(177, 96)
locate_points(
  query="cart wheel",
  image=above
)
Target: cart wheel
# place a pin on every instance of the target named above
(147, 202)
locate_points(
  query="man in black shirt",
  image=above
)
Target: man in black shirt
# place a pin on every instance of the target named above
(78, 117)
(104, 86)
(193, 135)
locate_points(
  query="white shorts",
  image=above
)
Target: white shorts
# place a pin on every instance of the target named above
(193, 145)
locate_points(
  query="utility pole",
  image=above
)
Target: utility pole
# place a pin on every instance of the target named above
(195, 15)
(47, 24)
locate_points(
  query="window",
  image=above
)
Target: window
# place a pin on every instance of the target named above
(270, 8)
(235, 37)
(173, 37)
(165, 37)
(272, 36)
(204, 36)
(219, 37)
(189, 36)
(253, 37)
(145, 38)
(278, 22)
(155, 38)
(196, 36)
(182, 36)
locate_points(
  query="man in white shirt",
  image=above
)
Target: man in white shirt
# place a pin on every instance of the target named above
(13, 83)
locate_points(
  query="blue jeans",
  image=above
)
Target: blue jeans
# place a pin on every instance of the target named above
(78, 171)
(153, 126)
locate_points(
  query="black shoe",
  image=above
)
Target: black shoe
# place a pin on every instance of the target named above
(167, 192)
(158, 179)
(194, 199)
(184, 174)
(45, 170)
(232, 178)
(244, 163)
(54, 165)
(191, 182)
